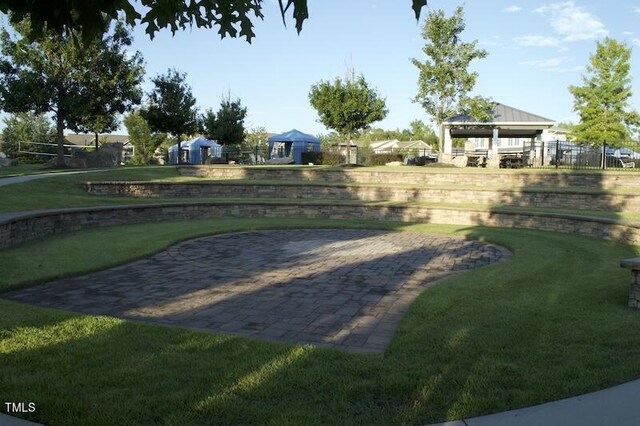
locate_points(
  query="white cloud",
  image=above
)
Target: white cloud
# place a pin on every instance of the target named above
(572, 22)
(628, 33)
(636, 42)
(512, 9)
(636, 9)
(536, 41)
(559, 64)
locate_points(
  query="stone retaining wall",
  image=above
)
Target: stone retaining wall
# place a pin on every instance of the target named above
(552, 178)
(528, 198)
(36, 225)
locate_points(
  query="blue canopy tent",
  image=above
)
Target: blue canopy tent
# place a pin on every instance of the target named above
(291, 145)
(195, 151)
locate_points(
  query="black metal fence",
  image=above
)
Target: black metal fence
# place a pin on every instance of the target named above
(538, 154)
(566, 155)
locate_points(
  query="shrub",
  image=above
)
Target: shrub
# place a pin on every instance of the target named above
(382, 159)
(326, 158)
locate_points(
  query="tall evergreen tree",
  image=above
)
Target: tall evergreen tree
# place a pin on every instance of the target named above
(603, 100)
(444, 81)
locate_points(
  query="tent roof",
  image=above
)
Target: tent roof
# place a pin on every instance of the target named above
(293, 136)
(201, 142)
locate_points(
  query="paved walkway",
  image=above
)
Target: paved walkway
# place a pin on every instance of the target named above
(341, 288)
(21, 179)
(614, 406)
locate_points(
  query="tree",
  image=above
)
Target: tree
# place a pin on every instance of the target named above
(26, 127)
(171, 107)
(444, 80)
(92, 17)
(115, 89)
(227, 125)
(420, 131)
(144, 141)
(256, 140)
(347, 106)
(603, 100)
(57, 75)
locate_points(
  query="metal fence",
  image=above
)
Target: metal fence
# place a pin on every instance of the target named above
(563, 155)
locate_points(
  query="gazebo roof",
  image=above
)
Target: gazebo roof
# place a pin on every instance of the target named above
(502, 114)
(510, 122)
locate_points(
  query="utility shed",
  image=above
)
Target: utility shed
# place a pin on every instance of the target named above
(195, 151)
(292, 144)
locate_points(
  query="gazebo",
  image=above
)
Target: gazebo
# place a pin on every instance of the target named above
(506, 122)
(292, 144)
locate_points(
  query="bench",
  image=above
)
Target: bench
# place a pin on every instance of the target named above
(634, 290)
(628, 164)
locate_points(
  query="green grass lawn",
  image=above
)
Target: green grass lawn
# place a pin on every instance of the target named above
(550, 323)
(22, 170)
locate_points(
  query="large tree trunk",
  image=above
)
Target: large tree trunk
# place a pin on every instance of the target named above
(60, 139)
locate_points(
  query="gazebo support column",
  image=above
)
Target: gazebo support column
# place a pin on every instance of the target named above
(447, 145)
(494, 158)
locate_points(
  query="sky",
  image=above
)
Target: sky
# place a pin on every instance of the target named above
(536, 50)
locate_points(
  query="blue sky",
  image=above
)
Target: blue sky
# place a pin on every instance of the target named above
(536, 50)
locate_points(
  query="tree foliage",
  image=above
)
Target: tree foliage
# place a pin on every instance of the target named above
(420, 131)
(226, 126)
(144, 141)
(92, 17)
(444, 80)
(171, 106)
(347, 106)
(115, 89)
(26, 127)
(59, 76)
(603, 100)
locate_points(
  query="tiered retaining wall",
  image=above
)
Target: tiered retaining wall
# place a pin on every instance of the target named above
(36, 225)
(580, 179)
(529, 197)
(523, 189)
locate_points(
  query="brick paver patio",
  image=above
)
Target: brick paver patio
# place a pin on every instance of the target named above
(342, 288)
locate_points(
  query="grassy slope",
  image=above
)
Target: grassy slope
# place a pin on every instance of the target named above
(550, 323)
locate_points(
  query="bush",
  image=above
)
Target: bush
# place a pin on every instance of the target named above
(326, 158)
(382, 159)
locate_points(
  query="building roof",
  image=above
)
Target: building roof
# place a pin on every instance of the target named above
(502, 114)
